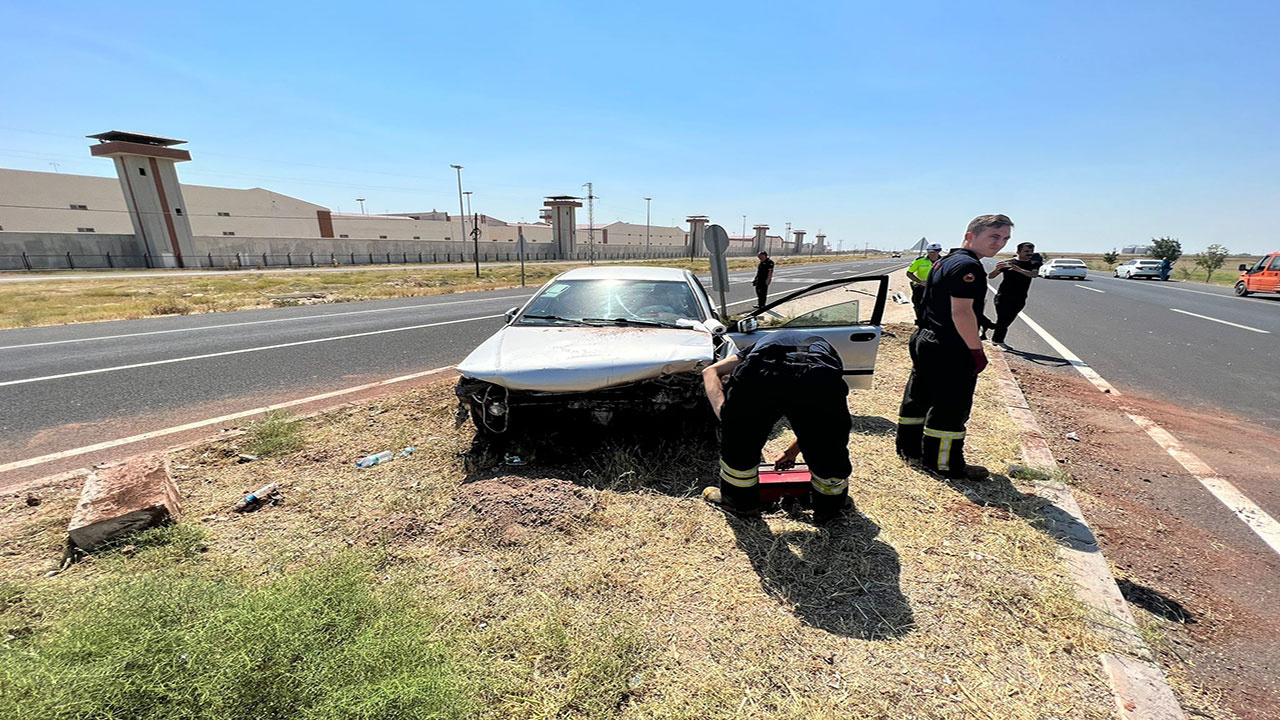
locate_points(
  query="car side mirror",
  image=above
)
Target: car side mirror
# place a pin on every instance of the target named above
(748, 325)
(511, 314)
(1244, 268)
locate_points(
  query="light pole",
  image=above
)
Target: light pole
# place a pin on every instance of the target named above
(648, 207)
(744, 227)
(361, 201)
(462, 219)
(468, 194)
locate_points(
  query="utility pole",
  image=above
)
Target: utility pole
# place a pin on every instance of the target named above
(591, 224)
(744, 227)
(648, 207)
(462, 220)
(469, 214)
(55, 166)
(785, 239)
(361, 201)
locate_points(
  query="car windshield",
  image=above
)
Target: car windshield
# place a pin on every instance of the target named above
(643, 302)
(1072, 263)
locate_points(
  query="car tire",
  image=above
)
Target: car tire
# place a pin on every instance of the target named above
(1241, 289)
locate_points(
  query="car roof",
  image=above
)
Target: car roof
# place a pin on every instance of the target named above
(625, 272)
(1067, 260)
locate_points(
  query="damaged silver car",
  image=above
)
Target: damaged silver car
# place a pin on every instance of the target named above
(606, 340)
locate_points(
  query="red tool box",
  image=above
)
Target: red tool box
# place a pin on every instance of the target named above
(778, 484)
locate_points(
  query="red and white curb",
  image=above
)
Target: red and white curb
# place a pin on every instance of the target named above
(1138, 684)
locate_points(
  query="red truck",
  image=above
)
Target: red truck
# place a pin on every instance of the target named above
(1263, 277)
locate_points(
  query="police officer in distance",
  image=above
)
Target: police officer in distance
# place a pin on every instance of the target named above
(764, 276)
(789, 373)
(918, 274)
(946, 354)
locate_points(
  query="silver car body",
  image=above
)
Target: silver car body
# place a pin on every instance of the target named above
(1064, 268)
(1138, 268)
(568, 359)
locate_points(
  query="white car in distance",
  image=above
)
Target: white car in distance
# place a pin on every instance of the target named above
(1136, 268)
(1065, 268)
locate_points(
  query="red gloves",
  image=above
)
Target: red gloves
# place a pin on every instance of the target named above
(979, 360)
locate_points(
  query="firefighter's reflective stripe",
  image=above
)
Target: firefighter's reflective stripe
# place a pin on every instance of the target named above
(739, 478)
(828, 486)
(902, 420)
(945, 439)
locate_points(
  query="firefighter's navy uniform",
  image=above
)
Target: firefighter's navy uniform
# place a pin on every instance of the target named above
(800, 376)
(939, 393)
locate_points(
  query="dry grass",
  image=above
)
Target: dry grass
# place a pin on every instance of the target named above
(57, 301)
(605, 588)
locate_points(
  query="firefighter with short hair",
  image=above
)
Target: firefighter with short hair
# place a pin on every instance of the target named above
(794, 374)
(947, 356)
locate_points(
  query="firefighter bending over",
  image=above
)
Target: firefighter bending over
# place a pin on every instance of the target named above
(794, 374)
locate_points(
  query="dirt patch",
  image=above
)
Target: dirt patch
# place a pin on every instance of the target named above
(1202, 586)
(512, 507)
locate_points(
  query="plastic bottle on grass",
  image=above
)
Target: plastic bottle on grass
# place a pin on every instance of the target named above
(371, 460)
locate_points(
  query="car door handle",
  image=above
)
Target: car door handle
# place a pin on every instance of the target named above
(862, 337)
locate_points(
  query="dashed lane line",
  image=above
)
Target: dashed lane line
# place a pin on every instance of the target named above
(241, 351)
(1086, 287)
(1228, 494)
(1224, 322)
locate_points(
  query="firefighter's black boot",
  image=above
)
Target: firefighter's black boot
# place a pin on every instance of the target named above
(943, 454)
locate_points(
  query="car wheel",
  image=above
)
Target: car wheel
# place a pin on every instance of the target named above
(1242, 290)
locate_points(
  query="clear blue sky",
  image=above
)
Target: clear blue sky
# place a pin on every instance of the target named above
(1092, 124)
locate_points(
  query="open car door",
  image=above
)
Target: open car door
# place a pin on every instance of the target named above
(845, 313)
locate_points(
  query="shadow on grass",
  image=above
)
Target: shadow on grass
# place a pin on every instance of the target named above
(837, 577)
(999, 492)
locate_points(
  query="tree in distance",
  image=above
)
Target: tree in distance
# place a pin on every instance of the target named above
(1165, 248)
(1111, 258)
(1211, 259)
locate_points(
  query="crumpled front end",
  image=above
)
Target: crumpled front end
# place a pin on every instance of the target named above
(495, 409)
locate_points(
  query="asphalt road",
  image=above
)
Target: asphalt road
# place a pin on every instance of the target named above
(1170, 339)
(69, 386)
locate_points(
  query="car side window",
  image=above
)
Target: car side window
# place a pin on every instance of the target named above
(1275, 263)
(1258, 266)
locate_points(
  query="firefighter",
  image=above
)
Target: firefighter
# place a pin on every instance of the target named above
(793, 374)
(918, 274)
(947, 356)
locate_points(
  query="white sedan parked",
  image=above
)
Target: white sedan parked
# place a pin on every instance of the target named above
(1064, 268)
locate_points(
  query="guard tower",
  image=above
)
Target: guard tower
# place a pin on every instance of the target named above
(697, 228)
(762, 232)
(822, 242)
(149, 181)
(562, 209)
(799, 236)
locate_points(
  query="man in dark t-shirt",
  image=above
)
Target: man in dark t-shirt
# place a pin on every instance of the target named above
(1012, 295)
(764, 276)
(946, 355)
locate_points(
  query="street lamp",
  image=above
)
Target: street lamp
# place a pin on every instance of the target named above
(744, 227)
(468, 194)
(648, 206)
(361, 201)
(462, 219)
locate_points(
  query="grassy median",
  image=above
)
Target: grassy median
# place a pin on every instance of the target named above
(439, 586)
(55, 301)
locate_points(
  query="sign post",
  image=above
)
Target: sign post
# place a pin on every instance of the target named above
(520, 232)
(716, 241)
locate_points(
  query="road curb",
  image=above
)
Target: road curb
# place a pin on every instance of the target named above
(1138, 684)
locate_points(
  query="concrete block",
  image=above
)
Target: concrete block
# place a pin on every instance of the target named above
(126, 497)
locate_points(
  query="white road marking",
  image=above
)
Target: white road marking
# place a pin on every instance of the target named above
(17, 464)
(263, 322)
(1222, 296)
(1086, 287)
(1224, 322)
(1255, 517)
(241, 351)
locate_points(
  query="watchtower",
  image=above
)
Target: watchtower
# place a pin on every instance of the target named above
(145, 165)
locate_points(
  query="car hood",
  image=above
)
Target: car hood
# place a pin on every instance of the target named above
(582, 359)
